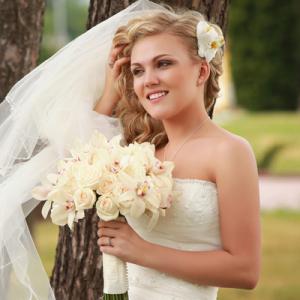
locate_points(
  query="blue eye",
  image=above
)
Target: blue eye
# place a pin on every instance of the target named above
(135, 72)
(163, 63)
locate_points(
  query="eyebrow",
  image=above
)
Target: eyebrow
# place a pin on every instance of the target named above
(153, 59)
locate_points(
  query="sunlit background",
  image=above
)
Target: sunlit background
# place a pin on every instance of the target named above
(259, 100)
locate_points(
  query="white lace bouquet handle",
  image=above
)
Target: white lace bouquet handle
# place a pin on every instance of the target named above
(115, 276)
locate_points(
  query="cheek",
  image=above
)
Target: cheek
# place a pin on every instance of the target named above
(138, 90)
(137, 87)
(176, 77)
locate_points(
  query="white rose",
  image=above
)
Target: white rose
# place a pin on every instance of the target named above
(125, 201)
(86, 176)
(107, 210)
(106, 184)
(84, 198)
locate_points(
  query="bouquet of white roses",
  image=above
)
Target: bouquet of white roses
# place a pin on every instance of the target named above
(121, 180)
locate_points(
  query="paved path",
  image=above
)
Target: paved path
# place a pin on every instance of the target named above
(279, 192)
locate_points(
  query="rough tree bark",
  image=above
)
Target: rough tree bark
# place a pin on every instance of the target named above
(21, 24)
(77, 272)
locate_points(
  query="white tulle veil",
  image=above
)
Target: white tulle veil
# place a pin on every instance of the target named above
(39, 119)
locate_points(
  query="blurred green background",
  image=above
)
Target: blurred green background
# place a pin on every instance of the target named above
(264, 44)
(274, 136)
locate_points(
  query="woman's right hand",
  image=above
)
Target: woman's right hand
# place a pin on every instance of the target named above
(113, 70)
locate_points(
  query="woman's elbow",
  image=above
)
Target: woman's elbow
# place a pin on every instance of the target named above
(251, 282)
(249, 277)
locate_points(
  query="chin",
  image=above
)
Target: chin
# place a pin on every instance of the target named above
(160, 113)
(167, 112)
(160, 116)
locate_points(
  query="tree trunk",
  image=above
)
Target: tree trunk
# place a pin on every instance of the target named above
(21, 25)
(77, 272)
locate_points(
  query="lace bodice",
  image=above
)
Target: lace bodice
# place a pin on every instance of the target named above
(191, 223)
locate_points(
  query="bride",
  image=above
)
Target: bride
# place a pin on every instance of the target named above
(167, 81)
(160, 86)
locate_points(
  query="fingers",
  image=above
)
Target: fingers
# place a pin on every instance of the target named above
(111, 232)
(114, 62)
(112, 224)
(118, 63)
(115, 50)
(105, 241)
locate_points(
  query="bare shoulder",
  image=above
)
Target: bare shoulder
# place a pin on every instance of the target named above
(231, 144)
(234, 156)
(226, 153)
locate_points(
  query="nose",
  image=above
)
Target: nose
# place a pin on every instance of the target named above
(150, 78)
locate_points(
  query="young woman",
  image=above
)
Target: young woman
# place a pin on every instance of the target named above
(166, 66)
(211, 235)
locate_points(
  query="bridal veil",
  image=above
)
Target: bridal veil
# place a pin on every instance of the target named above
(39, 119)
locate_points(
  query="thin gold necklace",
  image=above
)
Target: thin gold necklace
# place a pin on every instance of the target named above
(179, 148)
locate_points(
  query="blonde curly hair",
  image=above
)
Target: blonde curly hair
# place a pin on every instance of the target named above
(138, 125)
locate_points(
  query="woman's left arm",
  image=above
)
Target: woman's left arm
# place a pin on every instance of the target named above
(237, 264)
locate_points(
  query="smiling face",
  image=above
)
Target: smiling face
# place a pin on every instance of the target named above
(162, 68)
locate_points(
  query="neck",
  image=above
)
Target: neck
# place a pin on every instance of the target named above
(180, 126)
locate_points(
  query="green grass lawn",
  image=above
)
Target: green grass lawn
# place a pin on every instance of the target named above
(280, 272)
(274, 136)
(280, 264)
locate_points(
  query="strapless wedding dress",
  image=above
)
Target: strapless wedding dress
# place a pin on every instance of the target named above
(191, 223)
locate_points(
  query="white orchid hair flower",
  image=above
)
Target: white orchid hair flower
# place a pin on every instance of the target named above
(210, 39)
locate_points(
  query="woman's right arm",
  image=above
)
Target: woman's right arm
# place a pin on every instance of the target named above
(110, 96)
(105, 105)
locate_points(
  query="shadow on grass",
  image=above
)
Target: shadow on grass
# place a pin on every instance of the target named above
(265, 162)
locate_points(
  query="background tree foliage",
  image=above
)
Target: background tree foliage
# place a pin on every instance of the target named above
(76, 15)
(265, 46)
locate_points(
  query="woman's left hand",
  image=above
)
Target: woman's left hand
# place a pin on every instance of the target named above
(125, 242)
